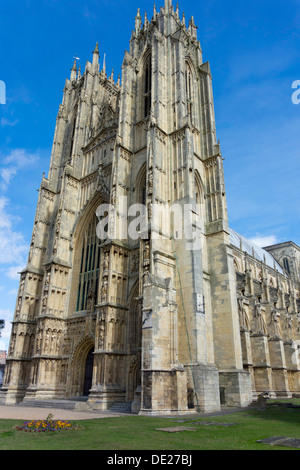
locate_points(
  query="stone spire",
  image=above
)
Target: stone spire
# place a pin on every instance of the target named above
(168, 6)
(96, 56)
(104, 64)
(74, 71)
(193, 28)
(138, 22)
(146, 22)
(96, 51)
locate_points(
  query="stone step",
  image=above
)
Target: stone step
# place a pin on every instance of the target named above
(76, 404)
(59, 404)
(121, 407)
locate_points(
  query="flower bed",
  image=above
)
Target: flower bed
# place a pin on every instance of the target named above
(47, 425)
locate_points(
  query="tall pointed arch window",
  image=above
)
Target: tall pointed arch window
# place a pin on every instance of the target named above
(89, 266)
(140, 185)
(147, 85)
(286, 265)
(199, 197)
(73, 131)
(188, 88)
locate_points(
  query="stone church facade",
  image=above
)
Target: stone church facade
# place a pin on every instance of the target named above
(148, 320)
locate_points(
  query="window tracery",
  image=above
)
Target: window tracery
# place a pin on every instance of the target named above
(89, 267)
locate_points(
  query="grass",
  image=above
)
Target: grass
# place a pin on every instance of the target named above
(139, 433)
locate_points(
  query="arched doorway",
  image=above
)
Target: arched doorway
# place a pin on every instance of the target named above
(81, 368)
(88, 374)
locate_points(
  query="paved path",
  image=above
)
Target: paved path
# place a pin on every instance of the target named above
(26, 413)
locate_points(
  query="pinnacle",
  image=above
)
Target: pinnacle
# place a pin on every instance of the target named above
(168, 5)
(96, 51)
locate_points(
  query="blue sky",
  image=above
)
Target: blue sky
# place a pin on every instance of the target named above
(254, 51)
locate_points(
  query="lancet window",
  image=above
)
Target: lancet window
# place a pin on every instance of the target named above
(147, 85)
(73, 132)
(89, 267)
(188, 87)
(286, 265)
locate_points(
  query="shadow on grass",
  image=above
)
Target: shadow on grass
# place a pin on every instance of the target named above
(279, 412)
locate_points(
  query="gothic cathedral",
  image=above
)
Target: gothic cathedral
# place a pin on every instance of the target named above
(148, 318)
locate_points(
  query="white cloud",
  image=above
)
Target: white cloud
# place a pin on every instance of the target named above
(13, 247)
(13, 292)
(17, 159)
(6, 122)
(7, 316)
(87, 13)
(5, 221)
(20, 158)
(14, 272)
(7, 174)
(263, 241)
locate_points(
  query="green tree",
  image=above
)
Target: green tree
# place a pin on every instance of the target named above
(2, 325)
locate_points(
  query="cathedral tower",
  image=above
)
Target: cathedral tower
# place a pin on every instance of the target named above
(129, 294)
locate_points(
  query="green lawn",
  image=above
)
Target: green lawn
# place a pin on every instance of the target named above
(139, 433)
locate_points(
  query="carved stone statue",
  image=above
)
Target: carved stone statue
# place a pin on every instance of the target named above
(275, 320)
(91, 297)
(243, 315)
(260, 323)
(288, 327)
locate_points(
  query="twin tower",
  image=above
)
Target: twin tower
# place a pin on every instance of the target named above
(152, 319)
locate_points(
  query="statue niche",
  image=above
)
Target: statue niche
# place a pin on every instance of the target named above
(107, 115)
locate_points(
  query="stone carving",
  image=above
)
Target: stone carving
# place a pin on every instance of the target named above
(275, 321)
(135, 261)
(39, 342)
(33, 235)
(12, 344)
(260, 324)
(243, 315)
(47, 280)
(101, 182)
(91, 297)
(101, 333)
(288, 327)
